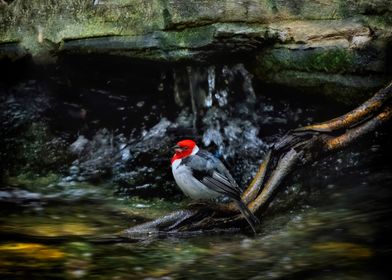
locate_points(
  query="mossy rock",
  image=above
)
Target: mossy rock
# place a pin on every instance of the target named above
(328, 60)
(307, 40)
(345, 74)
(158, 29)
(36, 150)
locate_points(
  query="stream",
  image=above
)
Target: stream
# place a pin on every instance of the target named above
(86, 155)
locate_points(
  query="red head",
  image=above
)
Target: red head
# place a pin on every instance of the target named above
(183, 149)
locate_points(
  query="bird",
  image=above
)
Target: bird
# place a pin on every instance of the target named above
(202, 176)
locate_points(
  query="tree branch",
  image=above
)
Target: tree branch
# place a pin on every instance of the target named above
(296, 149)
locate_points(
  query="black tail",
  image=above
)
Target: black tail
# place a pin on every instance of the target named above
(249, 217)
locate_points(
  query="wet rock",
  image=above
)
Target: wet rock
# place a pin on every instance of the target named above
(19, 196)
(347, 59)
(137, 164)
(27, 141)
(79, 145)
(360, 31)
(95, 157)
(146, 173)
(21, 104)
(157, 130)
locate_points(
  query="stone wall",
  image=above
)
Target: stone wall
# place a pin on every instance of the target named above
(340, 48)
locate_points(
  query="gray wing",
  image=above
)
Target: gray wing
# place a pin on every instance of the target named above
(211, 172)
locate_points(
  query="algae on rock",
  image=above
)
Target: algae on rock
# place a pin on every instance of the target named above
(296, 42)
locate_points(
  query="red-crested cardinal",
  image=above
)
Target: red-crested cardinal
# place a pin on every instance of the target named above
(202, 176)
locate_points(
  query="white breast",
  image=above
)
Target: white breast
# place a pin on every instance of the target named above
(189, 185)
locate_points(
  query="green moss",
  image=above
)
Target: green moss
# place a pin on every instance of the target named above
(34, 23)
(331, 61)
(196, 37)
(328, 60)
(182, 28)
(342, 88)
(28, 179)
(36, 150)
(380, 23)
(348, 8)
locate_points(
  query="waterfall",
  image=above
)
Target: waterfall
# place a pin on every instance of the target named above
(221, 100)
(211, 86)
(202, 86)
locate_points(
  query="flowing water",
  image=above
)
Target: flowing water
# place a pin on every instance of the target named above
(331, 220)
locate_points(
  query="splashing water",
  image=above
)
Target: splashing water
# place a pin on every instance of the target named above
(211, 86)
(325, 225)
(221, 99)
